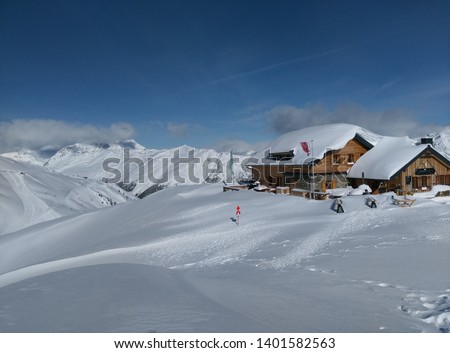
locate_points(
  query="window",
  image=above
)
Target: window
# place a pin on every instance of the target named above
(336, 159)
(350, 158)
(281, 156)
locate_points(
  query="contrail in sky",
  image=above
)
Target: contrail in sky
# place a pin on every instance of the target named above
(267, 68)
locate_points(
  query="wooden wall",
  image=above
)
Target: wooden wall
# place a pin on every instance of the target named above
(428, 160)
(339, 161)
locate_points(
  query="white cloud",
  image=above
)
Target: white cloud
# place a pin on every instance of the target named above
(393, 122)
(178, 129)
(238, 146)
(37, 134)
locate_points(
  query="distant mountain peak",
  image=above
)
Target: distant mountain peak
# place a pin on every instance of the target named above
(131, 144)
(80, 147)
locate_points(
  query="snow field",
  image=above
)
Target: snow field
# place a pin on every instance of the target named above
(292, 265)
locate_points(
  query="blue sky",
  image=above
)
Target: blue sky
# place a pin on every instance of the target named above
(218, 73)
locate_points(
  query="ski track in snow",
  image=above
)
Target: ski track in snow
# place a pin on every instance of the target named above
(213, 246)
(32, 206)
(317, 241)
(433, 308)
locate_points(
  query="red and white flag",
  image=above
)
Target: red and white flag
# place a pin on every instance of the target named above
(305, 147)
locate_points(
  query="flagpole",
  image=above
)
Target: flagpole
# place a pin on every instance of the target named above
(312, 154)
(231, 167)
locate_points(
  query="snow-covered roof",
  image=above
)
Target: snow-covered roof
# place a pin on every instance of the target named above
(386, 159)
(324, 137)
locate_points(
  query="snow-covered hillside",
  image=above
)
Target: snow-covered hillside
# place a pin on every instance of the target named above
(86, 160)
(29, 195)
(27, 156)
(177, 261)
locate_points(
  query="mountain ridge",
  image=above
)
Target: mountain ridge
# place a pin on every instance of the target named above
(151, 169)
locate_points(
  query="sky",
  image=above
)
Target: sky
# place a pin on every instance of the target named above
(222, 74)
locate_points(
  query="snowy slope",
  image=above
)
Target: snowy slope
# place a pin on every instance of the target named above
(29, 195)
(87, 160)
(27, 156)
(176, 261)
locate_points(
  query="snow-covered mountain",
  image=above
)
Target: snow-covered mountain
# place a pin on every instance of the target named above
(166, 167)
(29, 194)
(442, 141)
(176, 261)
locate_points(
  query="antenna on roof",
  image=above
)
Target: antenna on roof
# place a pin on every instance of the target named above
(312, 154)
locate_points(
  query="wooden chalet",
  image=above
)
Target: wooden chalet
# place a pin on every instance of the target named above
(341, 155)
(331, 151)
(400, 164)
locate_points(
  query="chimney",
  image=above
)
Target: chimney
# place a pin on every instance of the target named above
(426, 141)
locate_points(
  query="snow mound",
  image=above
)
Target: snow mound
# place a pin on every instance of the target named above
(356, 192)
(365, 187)
(340, 192)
